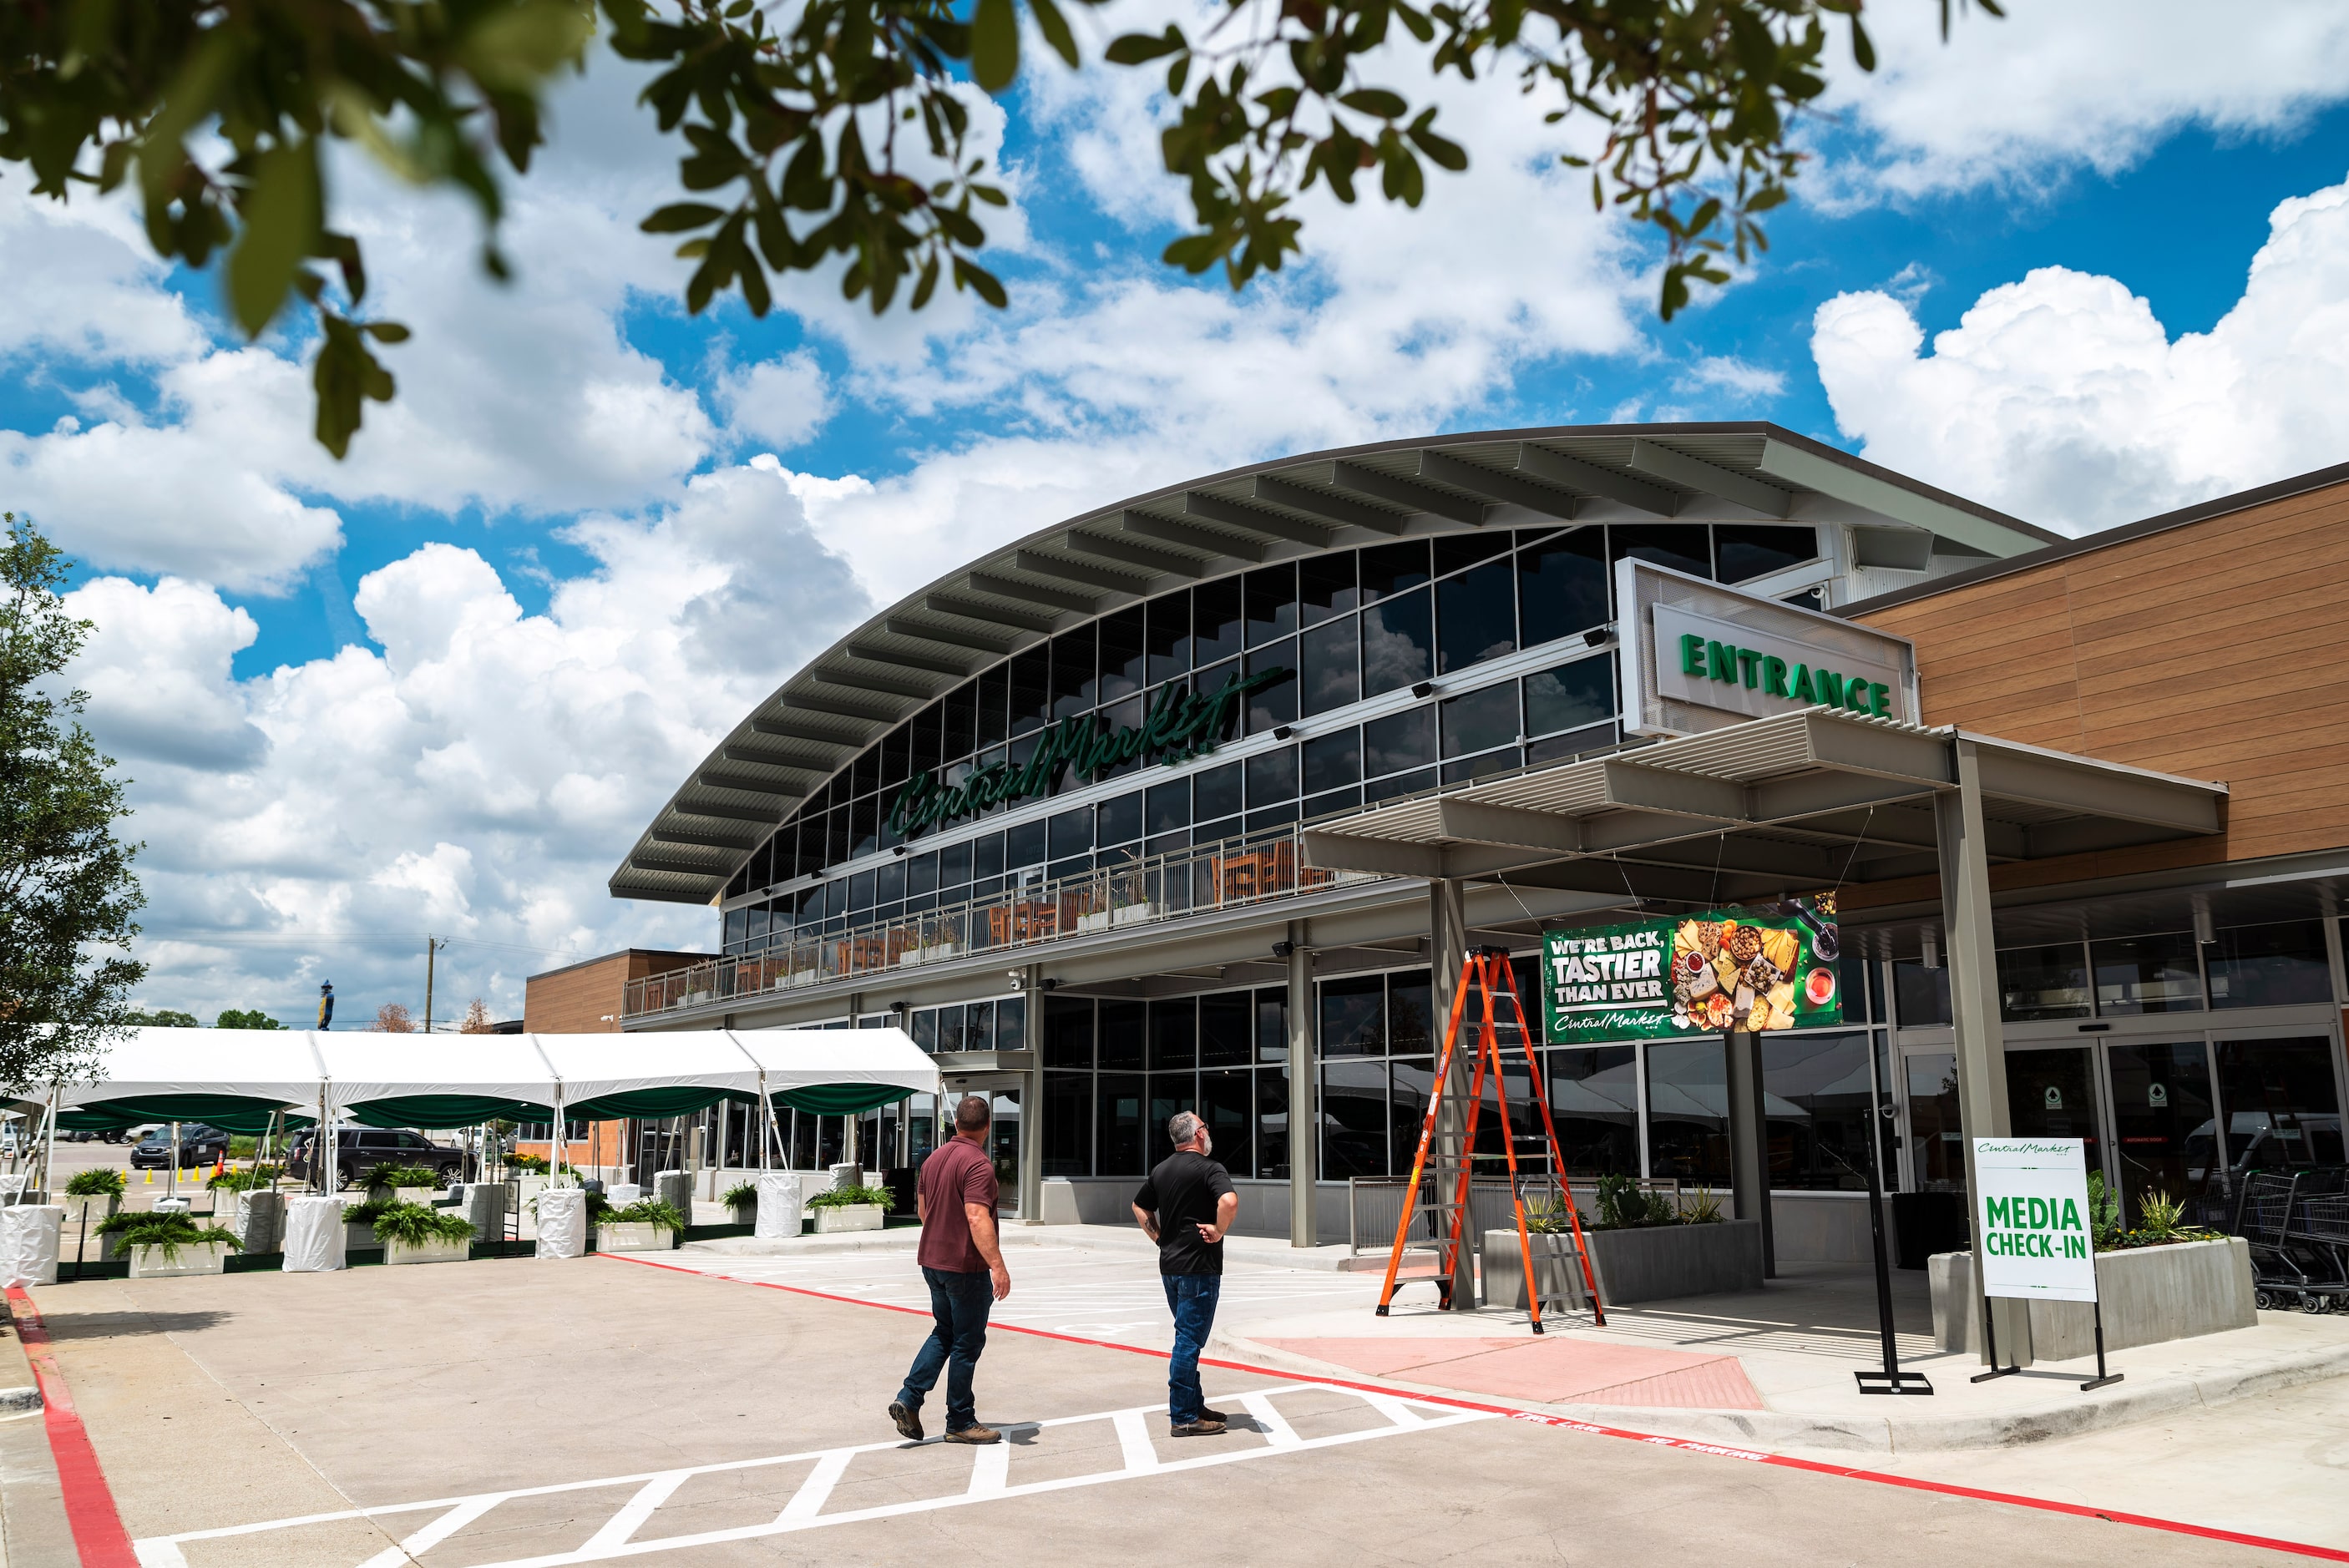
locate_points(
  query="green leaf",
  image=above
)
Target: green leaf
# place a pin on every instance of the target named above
(281, 215)
(386, 331)
(1055, 28)
(1376, 101)
(981, 281)
(1140, 49)
(994, 45)
(679, 216)
(1863, 51)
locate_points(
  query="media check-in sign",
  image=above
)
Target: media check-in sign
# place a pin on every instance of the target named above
(2030, 1214)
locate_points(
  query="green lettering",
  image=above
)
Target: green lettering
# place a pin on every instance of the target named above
(1828, 686)
(1748, 662)
(1855, 695)
(1802, 690)
(1998, 1211)
(2070, 1219)
(2036, 1210)
(1691, 653)
(2075, 1247)
(1773, 675)
(1880, 700)
(1723, 659)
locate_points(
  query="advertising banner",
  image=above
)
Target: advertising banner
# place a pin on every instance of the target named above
(1771, 967)
(2030, 1214)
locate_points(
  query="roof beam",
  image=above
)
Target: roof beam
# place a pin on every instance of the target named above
(1403, 492)
(1083, 572)
(947, 636)
(661, 835)
(2066, 784)
(783, 757)
(986, 613)
(758, 814)
(1809, 470)
(1513, 489)
(786, 726)
(1011, 588)
(1343, 852)
(744, 784)
(1168, 530)
(850, 675)
(1163, 562)
(1634, 788)
(1482, 823)
(1560, 470)
(1232, 514)
(1624, 880)
(955, 668)
(653, 860)
(1694, 473)
(1338, 509)
(843, 707)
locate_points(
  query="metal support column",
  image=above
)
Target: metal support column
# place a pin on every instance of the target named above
(1972, 953)
(1031, 1101)
(1447, 938)
(1304, 1101)
(1749, 1143)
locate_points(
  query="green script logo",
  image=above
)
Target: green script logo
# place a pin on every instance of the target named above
(1754, 669)
(1181, 724)
(2032, 1227)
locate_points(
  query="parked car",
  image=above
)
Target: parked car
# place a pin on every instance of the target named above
(84, 1135)
(199, 1145)
(362, 1149)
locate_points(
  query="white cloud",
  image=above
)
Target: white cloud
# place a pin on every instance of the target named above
(83, 283)
(783, 400)
(2061, 398)
(1739, 379)
(2092, 84)
(478, 777)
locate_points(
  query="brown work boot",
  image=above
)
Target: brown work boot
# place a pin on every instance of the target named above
(1207, 1427)
(975, 1435)
(909, 1422)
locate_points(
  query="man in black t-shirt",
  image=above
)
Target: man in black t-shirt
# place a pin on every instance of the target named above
(1186, 1206)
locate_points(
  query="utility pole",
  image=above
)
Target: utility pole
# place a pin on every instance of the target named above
(431, 946)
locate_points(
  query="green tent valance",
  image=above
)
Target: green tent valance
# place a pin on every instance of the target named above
(230, 1113)
(651, 1103)
(438, 1113)
(842, 1098)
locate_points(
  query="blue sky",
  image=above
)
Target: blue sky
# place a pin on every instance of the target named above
(442, 686)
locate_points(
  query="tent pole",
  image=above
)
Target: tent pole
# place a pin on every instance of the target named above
(50, 1164)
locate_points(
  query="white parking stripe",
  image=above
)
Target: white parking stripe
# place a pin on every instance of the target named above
(804, 1511)
(990, 1470)
(1277, 1429)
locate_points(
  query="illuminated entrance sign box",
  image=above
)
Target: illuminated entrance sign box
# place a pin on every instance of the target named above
(1699, 656)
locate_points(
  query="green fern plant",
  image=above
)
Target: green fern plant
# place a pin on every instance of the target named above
(741, 1194)
(259, 1176)
(2104, 1212)
(413, 1224)
(388, 1175)
(97, 1185)
(647, 1211)
(843, 1197)
(365, 1214)
(169, 1232)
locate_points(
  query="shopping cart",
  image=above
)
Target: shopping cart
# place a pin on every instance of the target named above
(2264, 1218)
(2316, 1233)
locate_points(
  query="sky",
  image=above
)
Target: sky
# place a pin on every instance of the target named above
(2083, 264)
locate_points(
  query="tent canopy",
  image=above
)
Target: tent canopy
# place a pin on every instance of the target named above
(457, 1080)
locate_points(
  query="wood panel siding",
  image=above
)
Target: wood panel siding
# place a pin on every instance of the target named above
(2212, 649)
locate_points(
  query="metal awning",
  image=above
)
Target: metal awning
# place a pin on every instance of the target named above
(1809, 800)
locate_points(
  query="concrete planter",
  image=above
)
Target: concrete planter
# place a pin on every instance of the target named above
(427, 1196)
(356, 1235)
(93, 1209)
(744, 1213)
(436, 1250)
(1657, 1262)
(2149, 1296)
(634, 1237)
(1555, 1265)
(187, 1258)
(838, 1217)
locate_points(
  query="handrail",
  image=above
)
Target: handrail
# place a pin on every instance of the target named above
(1150, 889)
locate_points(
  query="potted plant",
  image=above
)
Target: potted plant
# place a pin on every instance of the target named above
(93, 1195)
(358, 1223)
(420, 1233)
(165, 1245)
(1647, 1247)
(647, 1225)
(741, 1199)
(403, 1183)
(849, 1208)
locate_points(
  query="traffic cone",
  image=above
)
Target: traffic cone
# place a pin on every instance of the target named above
(151, 1176)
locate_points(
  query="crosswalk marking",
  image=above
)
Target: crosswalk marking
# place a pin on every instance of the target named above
(989, 1479)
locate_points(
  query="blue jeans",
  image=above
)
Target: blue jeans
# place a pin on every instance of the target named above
(1192, 1299)
(959, 1303)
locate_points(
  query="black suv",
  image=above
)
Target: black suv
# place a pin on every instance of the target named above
(199, 1145)
(361, 1149)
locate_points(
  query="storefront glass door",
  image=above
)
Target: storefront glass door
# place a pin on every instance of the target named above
(2053, 1094)
(2162, 1120)
(1003, 1149)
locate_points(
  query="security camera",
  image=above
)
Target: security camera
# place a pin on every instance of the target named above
(1283, 949)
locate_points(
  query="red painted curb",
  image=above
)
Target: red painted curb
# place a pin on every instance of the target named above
(97, 1531)
(1718, 1451)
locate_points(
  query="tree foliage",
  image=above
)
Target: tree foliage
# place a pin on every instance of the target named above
(161, 1019)
(245, 1019)
(393, 1018)
(840, 129)
(66, 892)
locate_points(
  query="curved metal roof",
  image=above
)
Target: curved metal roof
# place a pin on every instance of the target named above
(917, 649)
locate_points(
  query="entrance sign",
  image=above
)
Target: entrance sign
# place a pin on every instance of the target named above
(1699, 656)
(1770, 967)
(2030, 1215)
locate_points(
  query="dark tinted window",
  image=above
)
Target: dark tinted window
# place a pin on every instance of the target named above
(1174, 1034)
(957, 719)
(1275, 702)
(1332, 761)
(954, 864)
(2050, 981)
(1224, 1025)
(2269, 965)
(1326, 586)
(1570, 696)
(865, 772)
(1215, 620)
(1123, 667)
(1398, 638)
(1031, 689)
(1411, 1012)
(1167, 806)
(1480, 720)
(1118, 1036)
(1071, 833)
(1353, 1017)
(1271, 603)
(925, 751)
(1330, 666)
(1120, 821)
(1747, 550)
(1073, 657)
(895, 746)
(1391, 569)
(1398, 741)
(993, 688)
(1272, 777)
(1024, 845)
(1168, 636)
(1682, 546)
(865, 828)
(919, 875)
(1475, 616)
(1215, 792)
(1067, 1032)
(1455, 550)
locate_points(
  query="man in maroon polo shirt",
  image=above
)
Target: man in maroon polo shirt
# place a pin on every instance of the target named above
(955, 1197)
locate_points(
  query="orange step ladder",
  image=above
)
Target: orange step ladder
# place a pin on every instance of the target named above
(1477, 970)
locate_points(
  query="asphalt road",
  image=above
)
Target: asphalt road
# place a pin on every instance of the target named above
(512, 1412)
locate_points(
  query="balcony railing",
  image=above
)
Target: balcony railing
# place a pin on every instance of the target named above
(1233, 873)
